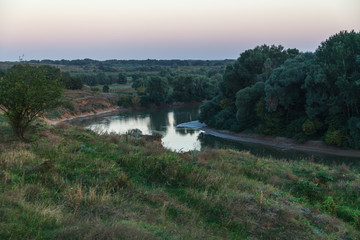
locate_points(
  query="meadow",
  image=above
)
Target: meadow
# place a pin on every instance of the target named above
(65, 182)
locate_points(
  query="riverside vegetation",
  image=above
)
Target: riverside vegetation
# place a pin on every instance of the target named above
(65, 182)
(282, 92)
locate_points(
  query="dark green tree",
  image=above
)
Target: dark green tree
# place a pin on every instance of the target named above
(106, 89)
(284, 87)
(184, 89)
(246, 100)
(157, 90)
(253, 65)
(71, 82)
(337, 75)
(101, 78)
(27, 92)
(333, 85)
(122, 79)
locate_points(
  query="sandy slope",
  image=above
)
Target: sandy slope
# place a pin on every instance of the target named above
(83, 115)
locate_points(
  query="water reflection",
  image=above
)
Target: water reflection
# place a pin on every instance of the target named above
(159, 120)
(184, 139)
(149, 121)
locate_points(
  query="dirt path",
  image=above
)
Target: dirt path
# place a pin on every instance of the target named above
(277, 142)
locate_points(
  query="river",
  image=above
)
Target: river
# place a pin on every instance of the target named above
(165, 120)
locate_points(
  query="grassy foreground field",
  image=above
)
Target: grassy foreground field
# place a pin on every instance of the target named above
(70, 183)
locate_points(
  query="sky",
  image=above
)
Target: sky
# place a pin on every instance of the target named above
(166, 29)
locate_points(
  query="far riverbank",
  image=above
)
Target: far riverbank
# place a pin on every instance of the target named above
(316, 147)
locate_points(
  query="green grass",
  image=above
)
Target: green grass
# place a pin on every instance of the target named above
(70, 183)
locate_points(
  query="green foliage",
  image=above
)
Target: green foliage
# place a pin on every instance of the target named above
(309, 127)
(224, 119)
(124, 101)
(85, 185)
(71, 82)
(122, 79)
(68, 105)
(249, 68)
(270, 123)
(306, 188)
(303, 96)
(157, 90)
(353, 125)
(190, 88)
(184, 89)
(283, 88)
(246, 100)
(329, 205)
(348, 214)
(27, 92)
(141, 90)
(208, 111)
(95, 89)
(335, 137)
(324, 177)
(140, 82)
(332, 84)
(295, 130)
(106, 89)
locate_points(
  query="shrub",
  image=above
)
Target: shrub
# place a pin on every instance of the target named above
(124, 101)
(329, 205)
(335, 137)
(349, 215)
(95, 89)
(69, 105)
(305, 188)
(324, 177)
(309, 127)
(106, 89)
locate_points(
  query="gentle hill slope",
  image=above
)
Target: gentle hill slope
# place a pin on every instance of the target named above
(69, 183)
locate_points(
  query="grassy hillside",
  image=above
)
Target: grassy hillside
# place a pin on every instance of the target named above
(70, 183)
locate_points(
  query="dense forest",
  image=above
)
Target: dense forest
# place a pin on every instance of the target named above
(283, 92)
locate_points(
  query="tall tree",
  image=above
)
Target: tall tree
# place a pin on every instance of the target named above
(158, 90)
(26, 92)
(121, 79)
(333, 85)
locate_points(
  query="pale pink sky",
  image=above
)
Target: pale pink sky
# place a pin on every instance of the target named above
(166, 29)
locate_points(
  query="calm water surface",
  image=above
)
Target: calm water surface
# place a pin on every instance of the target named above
(183, 139)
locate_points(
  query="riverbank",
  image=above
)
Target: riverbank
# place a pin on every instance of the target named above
(112, 111)
(102, 112)
(282, 143)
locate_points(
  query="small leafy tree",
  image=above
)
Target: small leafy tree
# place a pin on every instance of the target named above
(26, 92)
(158, 90)
(106, 88)
(122, 79)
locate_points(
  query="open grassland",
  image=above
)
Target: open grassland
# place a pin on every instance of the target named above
(70, 183)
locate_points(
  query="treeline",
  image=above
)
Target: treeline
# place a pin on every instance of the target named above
(167, 88)
(148, 62)
(102, 79)
(278, 92)
(69, 82)
(179, 88)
